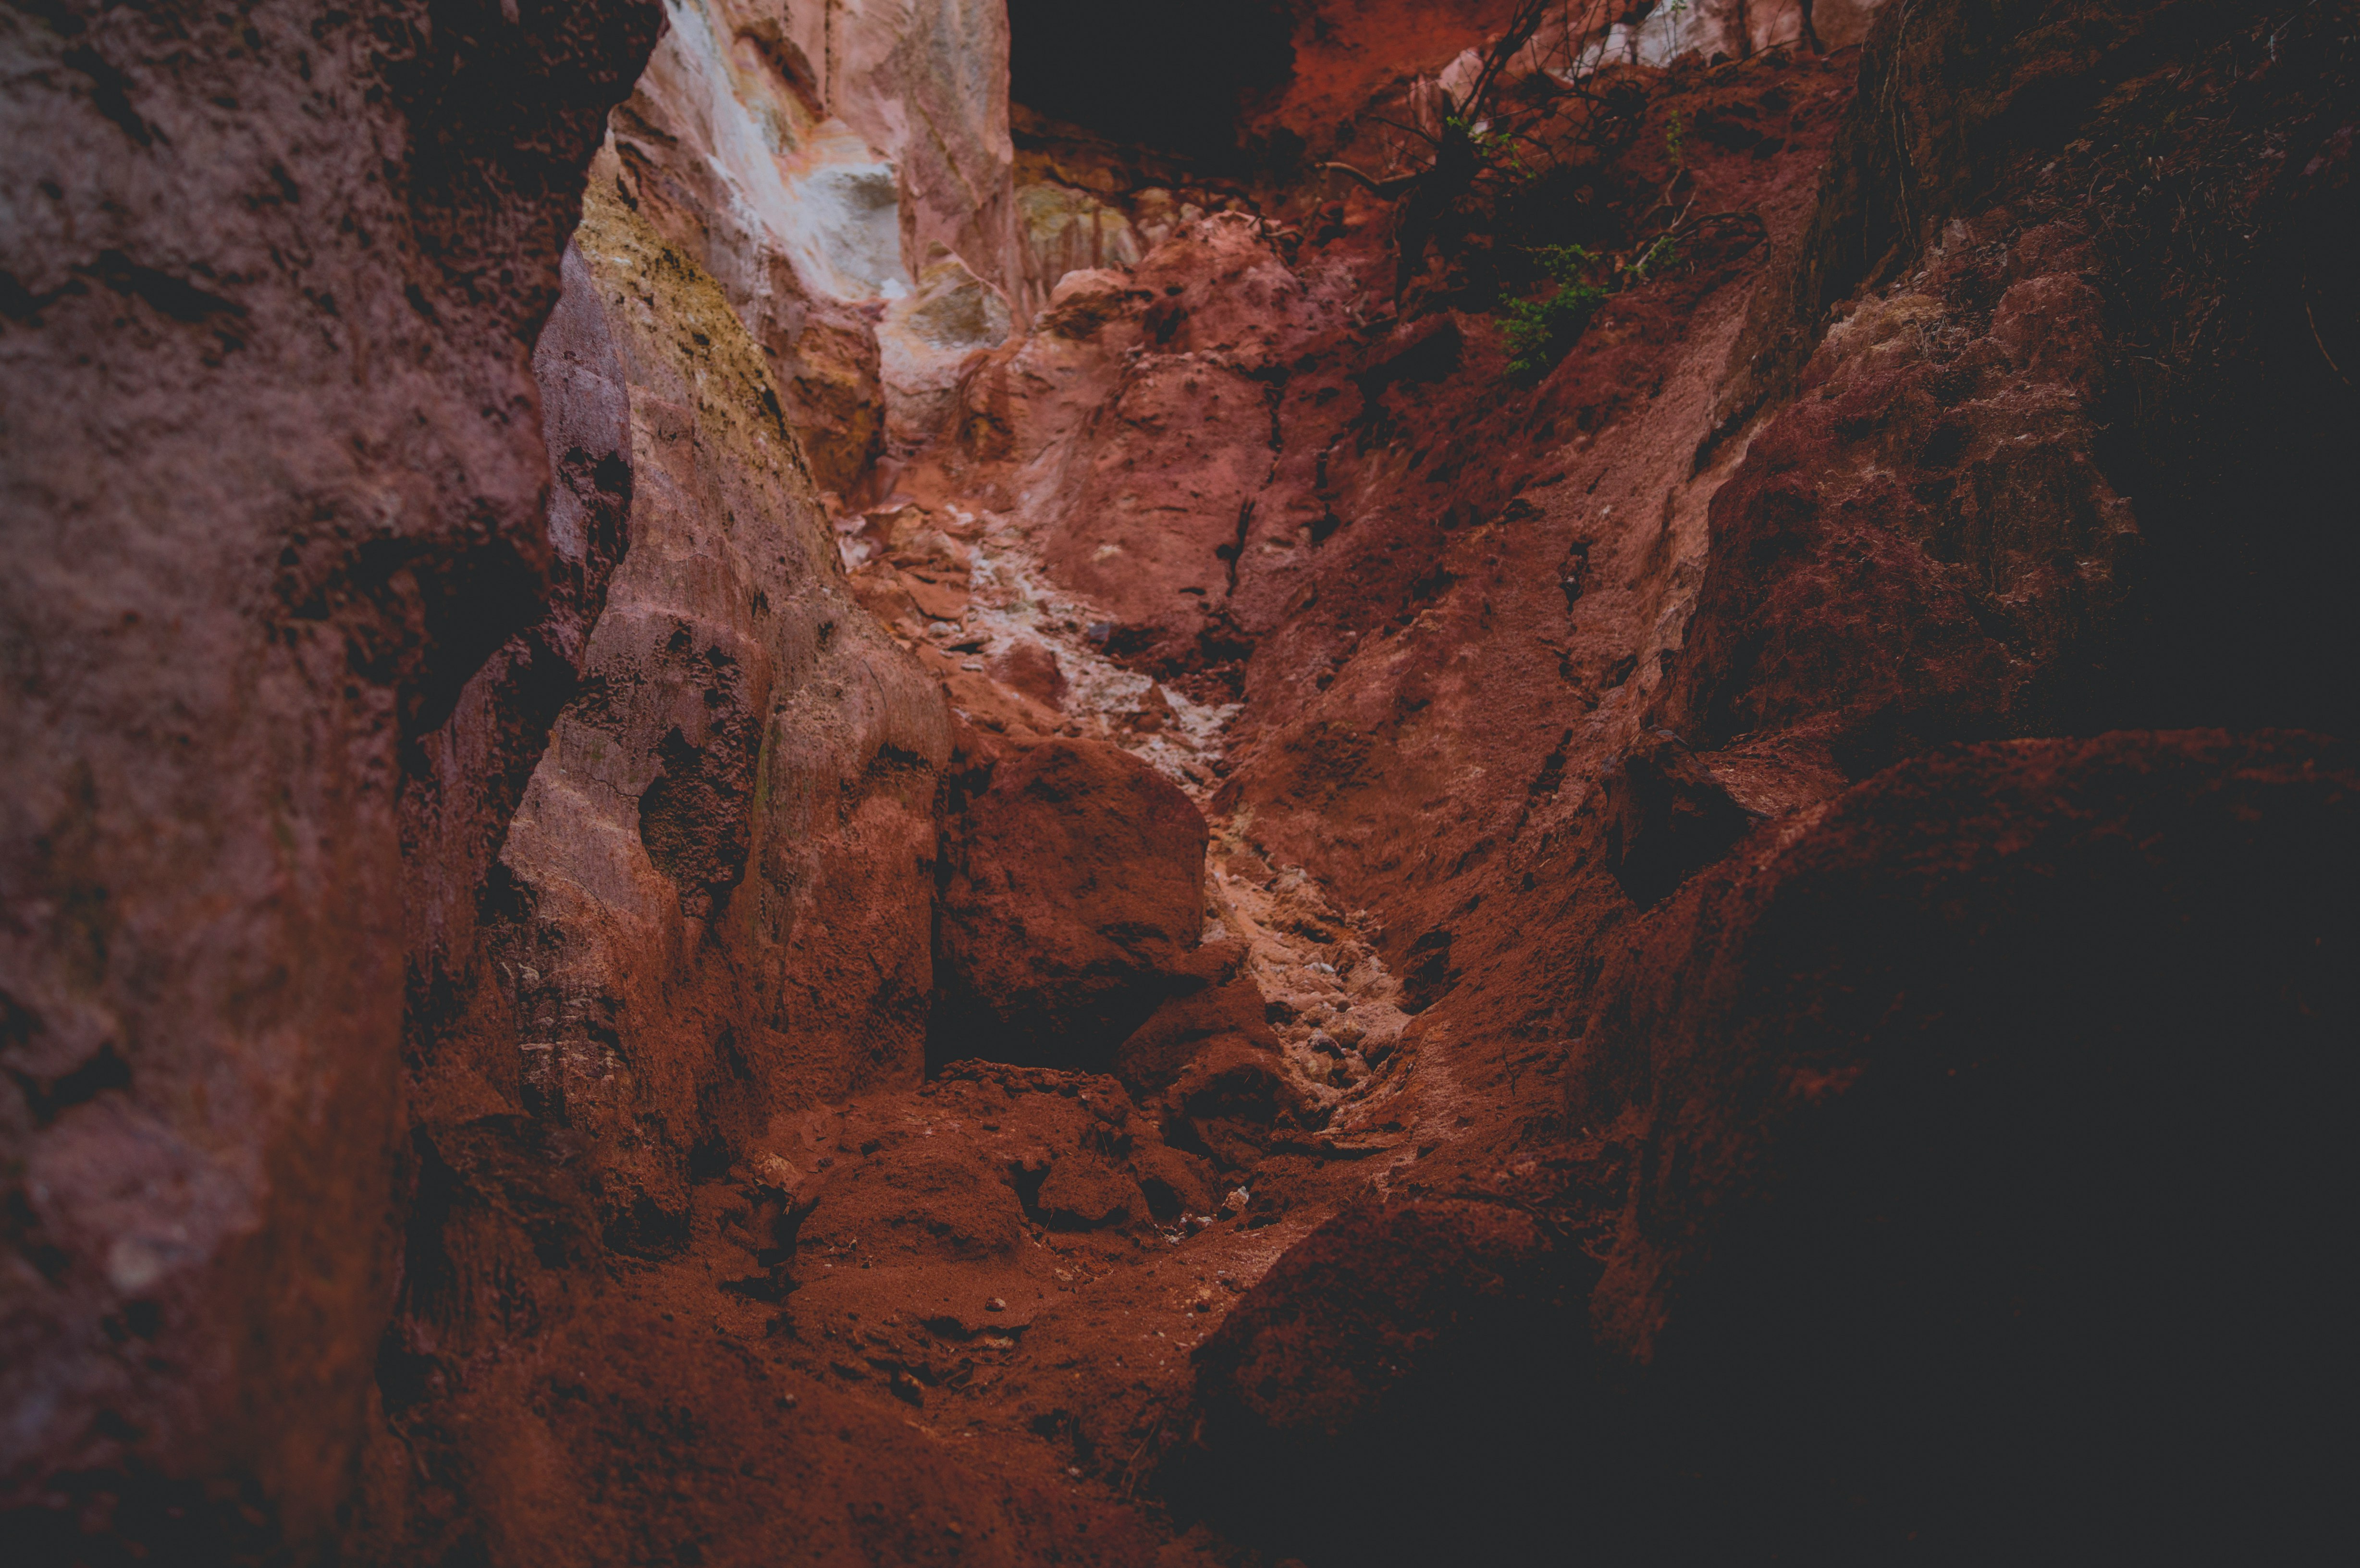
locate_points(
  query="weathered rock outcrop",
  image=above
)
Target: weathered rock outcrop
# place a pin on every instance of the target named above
(1391, 1357)
(546, 1020)
(713, 903)
(275, 489)
(2045, 421)
(1935, 494)
(1912, 1118)
(925, 81)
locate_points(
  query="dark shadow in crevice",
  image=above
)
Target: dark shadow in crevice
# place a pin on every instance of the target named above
(1174, 78)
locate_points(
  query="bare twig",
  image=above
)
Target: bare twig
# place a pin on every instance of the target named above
(2323, 344)
(1413, 130)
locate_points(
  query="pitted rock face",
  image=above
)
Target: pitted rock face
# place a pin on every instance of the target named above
(283, 267)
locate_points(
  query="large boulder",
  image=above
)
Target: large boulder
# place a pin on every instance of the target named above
(1213, 999)
(1389, 1392)
(1207, 1064)
(1076, 893)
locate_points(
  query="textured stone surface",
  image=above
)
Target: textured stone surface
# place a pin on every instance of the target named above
(814, 158)
(1215, 999)
(1609, 1128)
(925, 82)
(1066, 230)
(1869, 1230)
(926, 338)
(273, 489)
(1935, 495)
(1666, 816)
(582, 1450)
(1402, 1355)
(795, 217)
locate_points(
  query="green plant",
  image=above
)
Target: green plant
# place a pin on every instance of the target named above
(1675, 9)
(1492, 147)
(1539, 331)
(1676, 141)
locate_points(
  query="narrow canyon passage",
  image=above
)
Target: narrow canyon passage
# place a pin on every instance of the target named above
(1283, 784)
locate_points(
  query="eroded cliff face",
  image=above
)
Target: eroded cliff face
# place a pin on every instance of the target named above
(712, 898)
(1035, 857)
(838, 168)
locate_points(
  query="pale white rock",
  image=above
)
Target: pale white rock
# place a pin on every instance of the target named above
(812, 157)
(926, 82)
(926, 337)
(1577, 40)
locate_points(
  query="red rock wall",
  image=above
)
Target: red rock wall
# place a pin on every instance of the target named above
(276, 489)
(712, 899)
(470, 862)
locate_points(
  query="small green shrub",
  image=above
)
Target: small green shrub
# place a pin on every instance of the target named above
(1539, 331)
(1491, 148)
